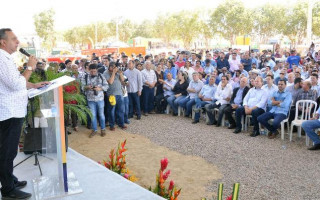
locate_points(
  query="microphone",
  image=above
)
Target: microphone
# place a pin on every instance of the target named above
(24, 52)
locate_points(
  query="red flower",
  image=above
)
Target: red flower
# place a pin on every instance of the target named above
(166, 175)
(171, 185)
(164, 163)
(229, 198)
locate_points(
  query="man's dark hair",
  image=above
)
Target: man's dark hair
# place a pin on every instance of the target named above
(147, 57)
(282, 80)
(297, 80)
(86, 64)
(271, 76)
(199, 56)
(3, 34)
(315, 75)
(124, 56)
(93, 66)
(112, 64)
(225, 77)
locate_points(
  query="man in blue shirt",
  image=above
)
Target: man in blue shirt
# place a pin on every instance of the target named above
(206, 96)
(293, 59)
(309, 127)
(246, 61)
(280, 102)
(222, 62)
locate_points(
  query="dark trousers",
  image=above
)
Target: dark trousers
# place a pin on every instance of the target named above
(228, 113)
(277, 119)
(134, 104)
(148, 99)
(211, 114)
(255, 114)
(161, 102)
(10, 131)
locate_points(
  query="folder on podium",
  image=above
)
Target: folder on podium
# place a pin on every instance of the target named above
(54, 183)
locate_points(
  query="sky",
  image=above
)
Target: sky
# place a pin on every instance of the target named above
(18, 15)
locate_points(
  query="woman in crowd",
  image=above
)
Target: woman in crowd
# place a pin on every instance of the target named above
(180, 92)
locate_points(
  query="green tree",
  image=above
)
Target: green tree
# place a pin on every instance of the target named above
(188, 27)
(231, 19)
(126, 29)
(44, 24)
(144, 29)
(316, 19)
(269, 21)
(165, 27)
(296, 23)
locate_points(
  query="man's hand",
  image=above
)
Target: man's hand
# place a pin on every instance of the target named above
(247, 110)
(227, 99)
(139, 93)
(88, 87)
(97, 88)
(32, 62)
(115, 70)
(41, 84)
(315, 116)
(234, 106)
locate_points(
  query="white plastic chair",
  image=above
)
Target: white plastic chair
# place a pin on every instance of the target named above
(306, 115)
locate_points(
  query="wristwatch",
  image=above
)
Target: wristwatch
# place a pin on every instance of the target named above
(29, 68)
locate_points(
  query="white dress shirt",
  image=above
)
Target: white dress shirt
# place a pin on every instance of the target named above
(256, 97)
(222, 93)
(13, 89)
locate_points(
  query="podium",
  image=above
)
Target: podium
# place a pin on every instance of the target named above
(54, 183)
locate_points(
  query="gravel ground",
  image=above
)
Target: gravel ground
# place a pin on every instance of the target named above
(266, 169)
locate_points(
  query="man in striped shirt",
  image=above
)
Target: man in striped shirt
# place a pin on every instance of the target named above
(134, 89)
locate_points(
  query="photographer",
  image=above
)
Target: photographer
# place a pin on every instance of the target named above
(93, 84)
(115, 79)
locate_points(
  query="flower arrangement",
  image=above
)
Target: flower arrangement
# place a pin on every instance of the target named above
(117, 162)
(171, 192)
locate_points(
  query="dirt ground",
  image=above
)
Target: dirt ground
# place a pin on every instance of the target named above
(191, 173)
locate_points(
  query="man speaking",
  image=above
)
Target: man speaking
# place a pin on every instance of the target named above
(13, 109)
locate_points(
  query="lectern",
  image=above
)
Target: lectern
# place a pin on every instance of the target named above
(56, 182)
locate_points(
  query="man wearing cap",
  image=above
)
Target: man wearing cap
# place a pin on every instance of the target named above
(255, 73)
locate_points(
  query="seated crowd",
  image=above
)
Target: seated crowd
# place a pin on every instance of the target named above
(227, 86)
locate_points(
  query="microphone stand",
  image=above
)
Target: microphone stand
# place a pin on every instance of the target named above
(35, 153)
